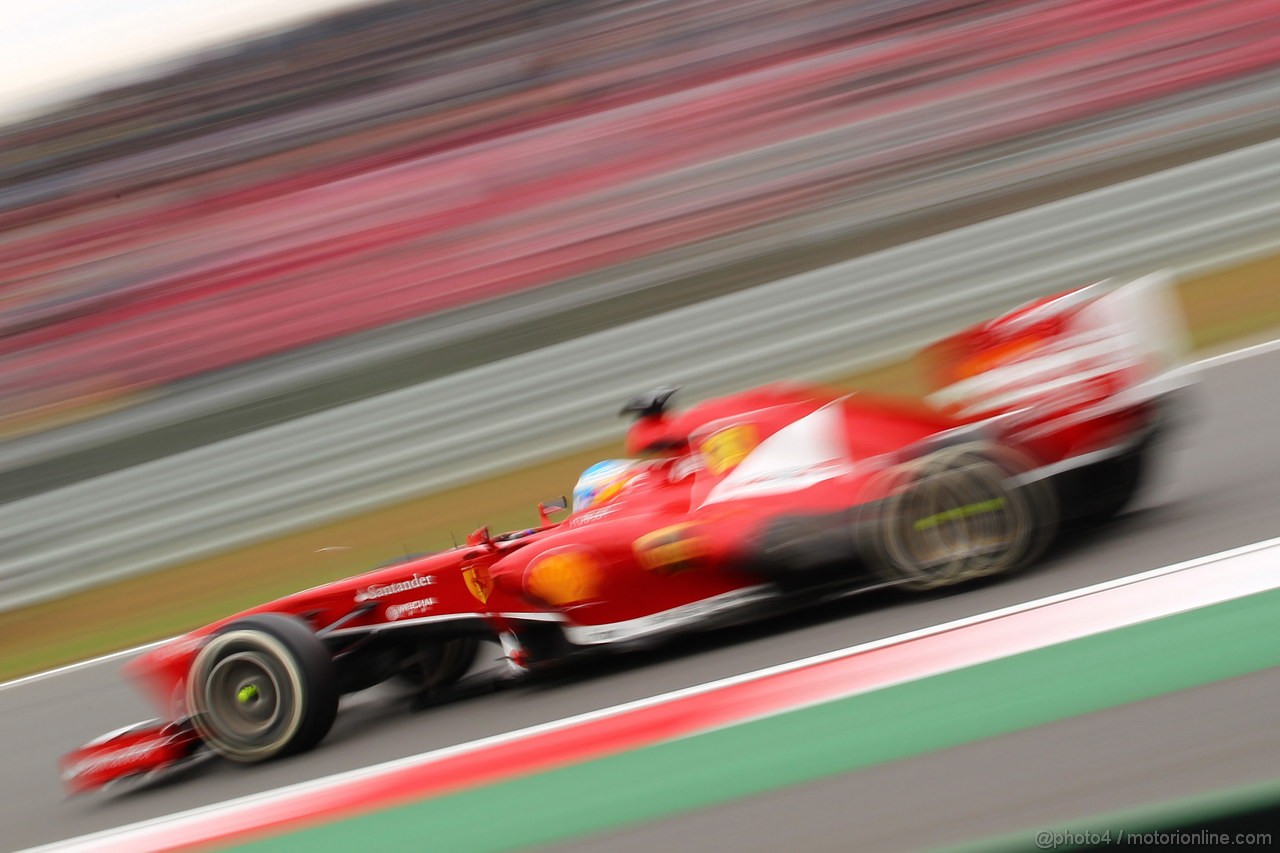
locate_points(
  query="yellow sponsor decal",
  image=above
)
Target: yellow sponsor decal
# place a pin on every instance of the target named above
(672, 549)
(564, 578)
(725, 448)
(478, 580)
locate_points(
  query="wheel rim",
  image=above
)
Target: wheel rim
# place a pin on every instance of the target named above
(949, 525)
(243, 694)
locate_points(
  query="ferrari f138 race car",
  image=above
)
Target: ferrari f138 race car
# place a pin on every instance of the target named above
(737, 507)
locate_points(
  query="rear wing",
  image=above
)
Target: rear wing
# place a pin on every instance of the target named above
(1093, 349)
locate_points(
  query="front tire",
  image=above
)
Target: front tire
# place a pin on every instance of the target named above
(263, 687)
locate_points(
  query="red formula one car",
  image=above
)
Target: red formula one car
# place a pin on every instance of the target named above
(737, 507)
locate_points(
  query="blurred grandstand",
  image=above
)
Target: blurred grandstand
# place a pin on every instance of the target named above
(392, 193)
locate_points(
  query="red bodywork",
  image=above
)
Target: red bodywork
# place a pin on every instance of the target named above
(133, 751)
(682, 542)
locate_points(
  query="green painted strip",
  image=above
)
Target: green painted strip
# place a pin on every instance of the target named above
(1019, 692)
(1180, 814)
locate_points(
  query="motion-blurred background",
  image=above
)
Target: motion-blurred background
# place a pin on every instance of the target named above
(280, 307)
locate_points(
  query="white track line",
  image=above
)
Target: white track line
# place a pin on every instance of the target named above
(1238, 354)
(91, 841)
(1203, 364)
(84, 664)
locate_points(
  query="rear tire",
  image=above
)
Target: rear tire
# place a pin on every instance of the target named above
(262, 687)
(959, 514)
(1117, 483)
(438, 665)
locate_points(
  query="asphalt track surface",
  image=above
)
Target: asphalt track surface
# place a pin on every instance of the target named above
(1219, 488)
(1166, 748)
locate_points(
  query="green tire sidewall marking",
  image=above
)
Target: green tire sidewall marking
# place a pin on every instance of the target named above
(1030, 689)
(959, 512)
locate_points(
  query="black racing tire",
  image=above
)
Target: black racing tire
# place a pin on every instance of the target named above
(438, 665)
(961, 513)
(263, 687)
(1114, 484)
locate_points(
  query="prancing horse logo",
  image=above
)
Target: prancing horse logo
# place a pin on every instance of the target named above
(478, 581)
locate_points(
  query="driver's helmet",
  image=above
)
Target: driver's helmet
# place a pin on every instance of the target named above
(602, 482)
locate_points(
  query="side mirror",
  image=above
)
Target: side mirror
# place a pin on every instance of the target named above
(480, 536)
(547, 508)
(651, 403)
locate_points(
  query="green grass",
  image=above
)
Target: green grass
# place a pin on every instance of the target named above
(1224, 306)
